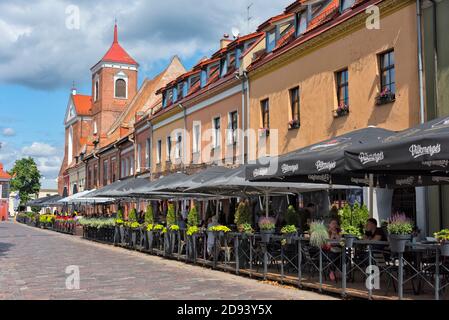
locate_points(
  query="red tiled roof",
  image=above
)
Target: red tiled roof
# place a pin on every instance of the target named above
(4, 175)
(117, 54)
(272, 20)
(83, 104)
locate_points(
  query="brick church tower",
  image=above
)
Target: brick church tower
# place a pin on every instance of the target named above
(114, 85)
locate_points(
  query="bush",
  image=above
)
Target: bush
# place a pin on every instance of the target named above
(353, 219)
(318, 234)
(442, 236)
(290, 229)
(400, 225)
(192, 218)
(292, 216)
(149, 216)
(171, 215)
(133, 216)
(242, 215)
(120, 215)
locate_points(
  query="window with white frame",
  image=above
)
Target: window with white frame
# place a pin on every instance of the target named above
(301, 23)
(139, 154)
(196, 137)
(216, 124)
(346, 4)
(159, 152)
(232, 127)
(271, 40)
(131, 167)
(121, 86)
(169, 148)
(178, 149)
(96, 88)
(148, 154)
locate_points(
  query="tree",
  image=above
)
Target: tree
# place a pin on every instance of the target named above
(132, 215)
(171, 215)
(242, 215)
(149, 217)
(26, 179)
(292, 216)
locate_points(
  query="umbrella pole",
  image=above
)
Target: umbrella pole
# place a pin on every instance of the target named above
(267, 204)
(371, 195)
(216, 209)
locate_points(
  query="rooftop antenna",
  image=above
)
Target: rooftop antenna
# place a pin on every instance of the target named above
(248, 16)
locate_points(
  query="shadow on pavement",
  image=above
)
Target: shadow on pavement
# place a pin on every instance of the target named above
(5, 247)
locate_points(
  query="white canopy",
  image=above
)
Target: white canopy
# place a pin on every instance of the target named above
(83, 197)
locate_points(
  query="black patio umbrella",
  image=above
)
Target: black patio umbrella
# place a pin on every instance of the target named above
(105, 191)
(422, 150)
(126, 187)
(323, 162)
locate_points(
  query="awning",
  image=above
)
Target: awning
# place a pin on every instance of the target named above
(85, 198)
(323, 162)
(233, 183)
(44, 202)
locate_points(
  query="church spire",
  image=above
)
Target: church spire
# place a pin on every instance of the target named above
(115, 32)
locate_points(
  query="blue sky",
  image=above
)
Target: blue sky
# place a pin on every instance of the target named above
(42, 52)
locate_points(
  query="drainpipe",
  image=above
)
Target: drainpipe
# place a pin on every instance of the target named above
(435, 54)
(134, 142)
(184, 139)
(247, 113)
(420, 63)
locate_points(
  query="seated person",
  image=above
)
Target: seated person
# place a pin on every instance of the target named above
(334, 250)
(373, 233)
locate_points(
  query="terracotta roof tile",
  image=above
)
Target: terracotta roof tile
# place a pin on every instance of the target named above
(4, 175)
(83, 104)
(117, 54)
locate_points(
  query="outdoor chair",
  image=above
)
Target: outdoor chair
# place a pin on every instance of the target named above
(310, 261)
(387, 268)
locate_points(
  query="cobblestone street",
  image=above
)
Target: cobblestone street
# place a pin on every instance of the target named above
(33, 265)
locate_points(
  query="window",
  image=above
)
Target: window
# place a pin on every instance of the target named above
(131, 166)
(301, 23)
(185, 89)
(223, 67)
(139, 154)
(159, 151)
(387, 72)
(113, 170)
(346, 4)
(95, 177)
(123, 168)
(196, 137)
(294, 105)
(343, 88)
(169, 148)
(238, 55)
(203, 78)
(178, 151)
(175, 94)
(120, 88)
(89, 177)
(148, 154)
(216, 132)
(232, 127)
(105, 172)
(164, 99)
(271, 40)
(265, 107)
(97, 90)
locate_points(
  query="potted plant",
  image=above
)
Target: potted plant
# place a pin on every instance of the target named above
(386, 96)
(246, 230)
(242, 216)
(400, 230)
(351, 234)
(192, 217)
(443, 239)
(220, 230)
(267, 228)
(342, 110)
(148, 229)
(319, 234)
(119, 227)
(289, 232)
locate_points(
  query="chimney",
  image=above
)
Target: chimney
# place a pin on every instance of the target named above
(225, 41)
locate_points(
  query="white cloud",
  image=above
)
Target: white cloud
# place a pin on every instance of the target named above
(8, 132)
(38, 149)
(37, 50)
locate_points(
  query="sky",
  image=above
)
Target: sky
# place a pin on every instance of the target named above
(47, 45)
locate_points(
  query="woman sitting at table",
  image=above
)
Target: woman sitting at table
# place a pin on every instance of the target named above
(333, 250)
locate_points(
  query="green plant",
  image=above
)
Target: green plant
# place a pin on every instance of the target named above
(119, 222)
(171, 215)
(442, 236)
(149, 216)
(193, 230)
(353, 231)
(242, 215)
(174, 228)
(120, 215)
(150, 227)
(399, 224)
(290, 229)
(267, 224)
(220, 229)
(246, 228)
(353, 219)
(318, 234)
(132, 216)
(292, 216)
(135, 225)
(158, 227)
(192, 217)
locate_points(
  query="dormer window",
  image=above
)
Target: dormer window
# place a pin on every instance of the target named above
(238, 55)
(164, 99)
(203, 78)
(185, 89)
(271, 40)
(223, 67)
(346, 4)
(301, 23)
(175, 94)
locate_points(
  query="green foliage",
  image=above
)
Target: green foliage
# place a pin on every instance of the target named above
(47, 218)
(132, 216)
(171, 215)
(290, 229)
(242, 215)
(149, 216)
(443, 235)
(220, 229)
(353, 219)
(267, 224)
(158, 227)
(174, 228)
(292, 216)
(246, 228)
(97, 223)
(193, 230)
(120, 214)
(318, 234)
(400, 225)
(26, 179)
(192, 217)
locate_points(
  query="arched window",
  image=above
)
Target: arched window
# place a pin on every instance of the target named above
(70, 146)
(120, 88)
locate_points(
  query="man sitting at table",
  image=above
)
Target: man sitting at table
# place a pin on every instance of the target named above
(374, 233)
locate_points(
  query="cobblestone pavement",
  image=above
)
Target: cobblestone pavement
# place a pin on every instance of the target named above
(33, 266)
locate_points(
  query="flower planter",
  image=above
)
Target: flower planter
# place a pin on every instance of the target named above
(133, 243)
(149, 240)
(349, 241)
(398, 242)
(385, 99)
(444, 248)
(265, 235)
(289, 238)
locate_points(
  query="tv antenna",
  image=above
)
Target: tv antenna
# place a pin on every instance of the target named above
(235, 33)
(248, 16)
